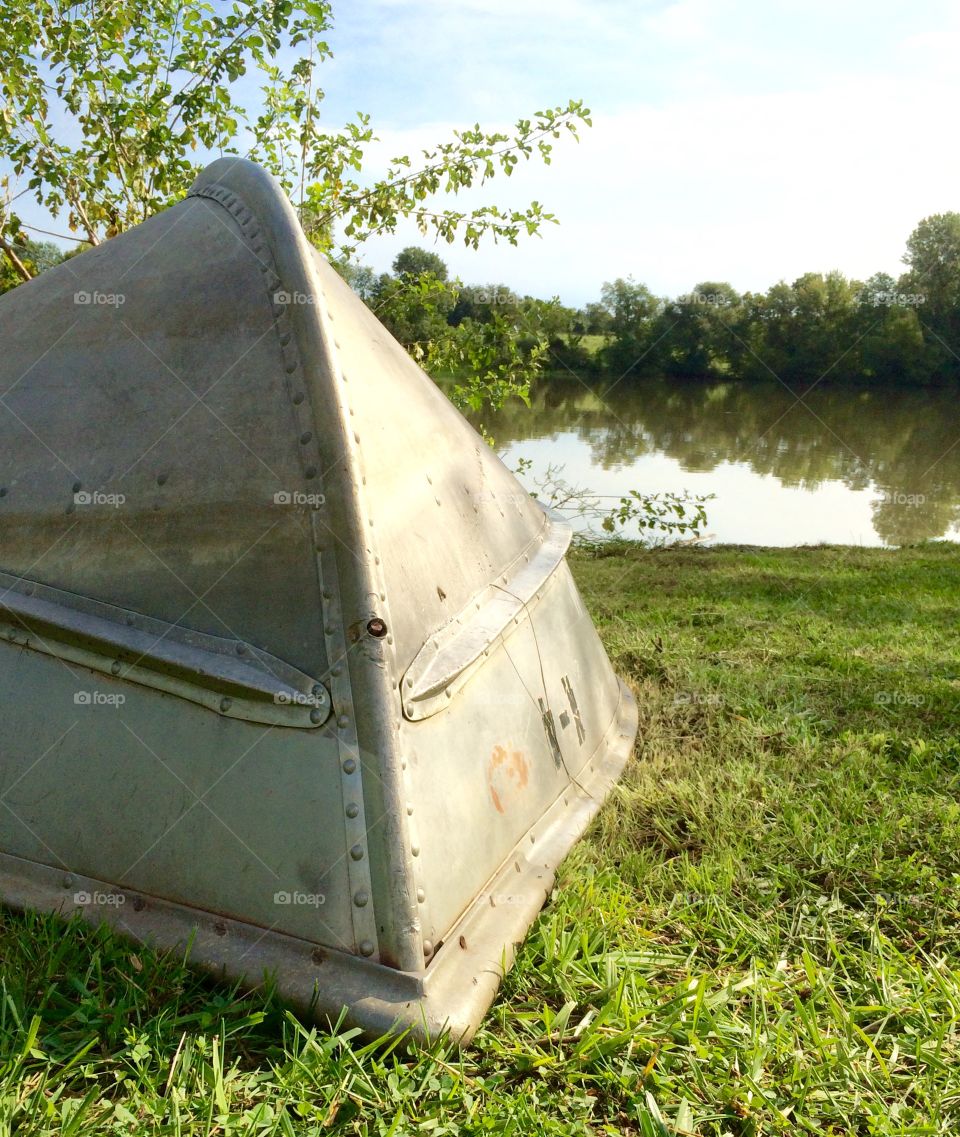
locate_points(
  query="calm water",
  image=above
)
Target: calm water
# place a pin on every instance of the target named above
(844, 465)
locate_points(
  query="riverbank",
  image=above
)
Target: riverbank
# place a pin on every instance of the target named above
(760, 935)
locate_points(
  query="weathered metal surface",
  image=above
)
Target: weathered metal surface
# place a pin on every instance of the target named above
(230, 503)
(145, 791)
(447, 660)
(234, 678)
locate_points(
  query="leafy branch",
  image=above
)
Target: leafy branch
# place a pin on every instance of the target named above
(658, 516)
(106, 111)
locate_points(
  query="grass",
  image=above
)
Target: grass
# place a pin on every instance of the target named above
(593, 343)
(761, 934)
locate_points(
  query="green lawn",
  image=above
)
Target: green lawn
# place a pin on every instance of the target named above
(759, 936)
(593, 343)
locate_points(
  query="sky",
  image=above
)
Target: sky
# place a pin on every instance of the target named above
(745, 141)
(737, 140)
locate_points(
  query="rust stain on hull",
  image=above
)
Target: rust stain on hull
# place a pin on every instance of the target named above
(507, 775)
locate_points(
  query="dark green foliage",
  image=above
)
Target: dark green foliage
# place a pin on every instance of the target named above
(412, 262)
(820, 328)
(35, 256)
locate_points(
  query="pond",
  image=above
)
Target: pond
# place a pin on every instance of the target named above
(843, 465)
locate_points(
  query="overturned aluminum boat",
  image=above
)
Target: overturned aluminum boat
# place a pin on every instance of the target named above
(290, 665)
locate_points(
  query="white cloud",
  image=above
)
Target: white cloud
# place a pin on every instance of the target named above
(745, 188)
(680, 22)
(733, 139)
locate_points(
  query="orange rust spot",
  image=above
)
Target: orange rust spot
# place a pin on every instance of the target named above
(507, 775)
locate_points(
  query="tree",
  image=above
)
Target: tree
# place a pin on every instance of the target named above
(800, 333)
(9, 277)
(693, 331)
(416, 303)
(480, 302)
(412, 262)
(633, 309)
(891, 347)
(933, 257)
(553, 323)
(34, 256)
(932, 286)
(594, 319)
(825, 326)
(361, 278)
(109, 112)
(414, 308)
(487, 363)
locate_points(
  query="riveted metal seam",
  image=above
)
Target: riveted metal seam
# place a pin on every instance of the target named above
(363, 918)
(374, 689)
(400, 841)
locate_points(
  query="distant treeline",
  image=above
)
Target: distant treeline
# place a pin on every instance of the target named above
(822, 327)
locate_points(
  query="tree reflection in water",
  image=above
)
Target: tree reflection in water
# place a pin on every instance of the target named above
(904, 444)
